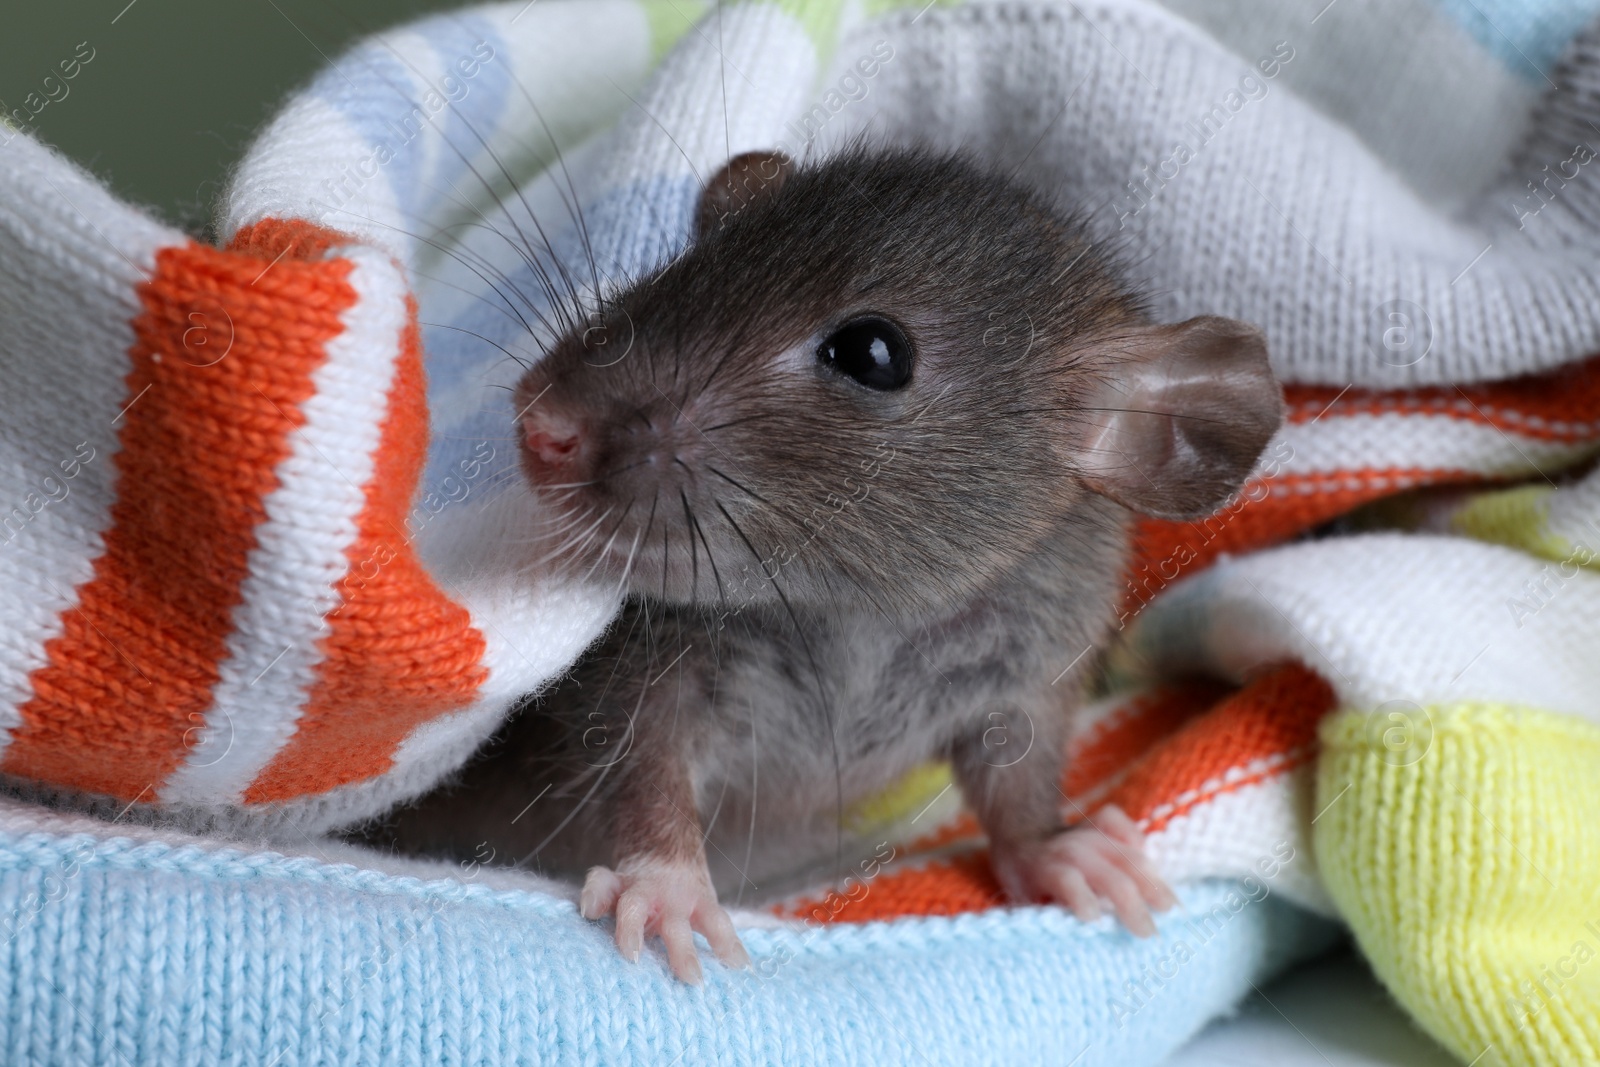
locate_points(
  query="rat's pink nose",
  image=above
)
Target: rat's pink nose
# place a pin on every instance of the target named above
(551, 438)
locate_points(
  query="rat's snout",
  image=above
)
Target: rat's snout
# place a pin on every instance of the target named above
(557, 445)
(553, 438)
(620, 450)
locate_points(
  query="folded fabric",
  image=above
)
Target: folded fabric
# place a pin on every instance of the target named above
(266, 553)
(148, 946)
(252, 584)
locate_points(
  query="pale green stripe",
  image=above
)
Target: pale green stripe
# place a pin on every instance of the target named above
(909, 795)
(873, 8)
(1519, 518)
(669, 20)
(820, 19)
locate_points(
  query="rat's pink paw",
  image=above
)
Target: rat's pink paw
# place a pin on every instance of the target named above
(670, 900)
(1080, 866)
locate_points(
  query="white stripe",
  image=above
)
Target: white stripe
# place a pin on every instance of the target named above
(70, 259)
(1425, 442)
(303, 162)
(308, 164)
(1575, 513)
(1254, 831)
(301, 547)
(569, 617)
(1389, 617)
(1460, 404)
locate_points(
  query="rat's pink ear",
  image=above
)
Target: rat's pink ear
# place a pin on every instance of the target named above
(1181, 417)
(745, 179)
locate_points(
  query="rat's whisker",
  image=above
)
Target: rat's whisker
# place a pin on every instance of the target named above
(694, 522)
(593, 532)
(519, 360)
(694, 551)
(573, 543)
(434, 279)
(600, 556)
(731, 422)
(404, 95)
(460, 256)
(574, 204)
(741, 487)
(627, 570)
(816, 672)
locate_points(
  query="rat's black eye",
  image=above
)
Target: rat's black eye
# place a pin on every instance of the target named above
(871, 350)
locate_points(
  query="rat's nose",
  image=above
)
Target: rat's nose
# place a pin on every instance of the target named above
(552, 438)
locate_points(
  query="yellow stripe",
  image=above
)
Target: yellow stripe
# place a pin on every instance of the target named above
(1462, 846)
(902, 800)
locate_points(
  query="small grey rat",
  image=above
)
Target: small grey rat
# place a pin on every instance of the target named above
(863, 458)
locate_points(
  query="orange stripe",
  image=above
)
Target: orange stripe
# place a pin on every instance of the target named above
(963, 825)
(1274, 717)
(1164, 552)
(943, 887)
(130, 676)
(1563, 405)
(398, 652)
(1530, 406)
(1116, 743)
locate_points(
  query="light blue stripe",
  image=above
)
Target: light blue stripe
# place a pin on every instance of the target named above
(381, 114)
(138, 954)
(1528, 36)
(478, 113)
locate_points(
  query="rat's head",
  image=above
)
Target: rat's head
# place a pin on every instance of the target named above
(887, 376)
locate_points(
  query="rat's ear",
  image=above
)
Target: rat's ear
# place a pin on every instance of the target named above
(744, 180)
(1180, 420)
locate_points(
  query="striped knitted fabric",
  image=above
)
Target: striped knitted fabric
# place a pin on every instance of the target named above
(265, 547)
(249, 580)
(212, 598)
(150, 948)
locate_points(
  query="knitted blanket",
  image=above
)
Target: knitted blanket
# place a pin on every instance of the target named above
(263, 531)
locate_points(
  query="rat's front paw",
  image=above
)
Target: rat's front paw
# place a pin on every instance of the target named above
(672, 900)
(1078, 867)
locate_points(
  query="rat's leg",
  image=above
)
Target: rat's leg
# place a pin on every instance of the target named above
(1018, 801)
(661, 885)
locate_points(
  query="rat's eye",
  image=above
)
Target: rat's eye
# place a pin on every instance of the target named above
(871, 350)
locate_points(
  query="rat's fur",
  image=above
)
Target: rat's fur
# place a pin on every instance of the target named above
(829, 584)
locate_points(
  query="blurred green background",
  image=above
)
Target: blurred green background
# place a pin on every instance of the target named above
(176, 88)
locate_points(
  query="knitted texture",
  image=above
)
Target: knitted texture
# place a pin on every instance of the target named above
(152, 949)
(265, 543)
(1217, 779)
(362, 611)
(1470, 873)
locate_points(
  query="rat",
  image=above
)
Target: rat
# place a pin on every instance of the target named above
(863, 459)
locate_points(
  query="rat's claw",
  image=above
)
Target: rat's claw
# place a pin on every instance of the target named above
(1080, 867)
(1117, 884)
(668, 899)
(681, 953)
(714, 924)
(1115, 824)
(1153, 890)
(601, 887)
(633, 912)
(1072, 889)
